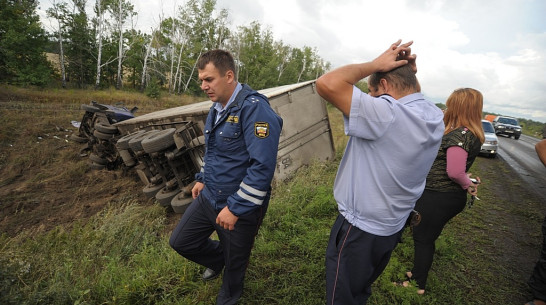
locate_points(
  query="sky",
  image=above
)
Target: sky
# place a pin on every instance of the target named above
(494, 46)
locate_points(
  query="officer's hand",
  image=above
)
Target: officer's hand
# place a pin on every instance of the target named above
(226, 219)
(395, 56)
(411, 58)
(197, 188)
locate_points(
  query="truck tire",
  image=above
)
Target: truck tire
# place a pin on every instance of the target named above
(123, 142)
(103, 136)
(164, 196)
(96, 166)
(95, 158)
(136, 142)
(181, 202)
(516, 137)
(106, 128)
(151, 189)
(77, 138)
(158, 141)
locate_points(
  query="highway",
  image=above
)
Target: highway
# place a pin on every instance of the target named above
(521, 155)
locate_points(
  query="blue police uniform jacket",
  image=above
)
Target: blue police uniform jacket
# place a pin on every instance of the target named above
(241, 153)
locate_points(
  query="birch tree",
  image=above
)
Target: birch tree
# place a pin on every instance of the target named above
(57, 12)
(120, 10)
(196, 27)
(100, 27)
(283, 55)
(145, 61)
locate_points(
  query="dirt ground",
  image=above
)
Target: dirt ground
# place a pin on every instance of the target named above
(25, 207)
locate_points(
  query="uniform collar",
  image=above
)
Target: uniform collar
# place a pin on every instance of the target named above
(219, 107)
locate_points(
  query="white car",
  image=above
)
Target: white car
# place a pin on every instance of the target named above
(491, 143)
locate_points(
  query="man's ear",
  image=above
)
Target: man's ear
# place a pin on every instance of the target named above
(384, 85)
(230, 76)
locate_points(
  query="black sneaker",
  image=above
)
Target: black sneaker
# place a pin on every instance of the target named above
(210, 274)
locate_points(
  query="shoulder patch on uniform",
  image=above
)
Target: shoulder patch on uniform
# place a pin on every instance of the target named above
(261, 130)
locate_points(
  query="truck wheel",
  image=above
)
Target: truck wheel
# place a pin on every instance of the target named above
(77, 138)
(136, 142)
(516, 137)
(96, 166)
(158, 141)
(95, 158)
(164, 196)
(123, 142)
(151, 189)
(181, 202)
(103, 136)
(104, 128)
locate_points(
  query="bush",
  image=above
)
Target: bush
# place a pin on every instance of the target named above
(153, 90)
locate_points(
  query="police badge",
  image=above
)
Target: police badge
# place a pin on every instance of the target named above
(261, 129)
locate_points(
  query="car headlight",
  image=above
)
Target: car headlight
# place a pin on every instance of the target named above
(491, 142)
(518, 129)
(500, 127)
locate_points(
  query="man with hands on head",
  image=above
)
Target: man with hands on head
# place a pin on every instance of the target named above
(394, 137)
(233, 188)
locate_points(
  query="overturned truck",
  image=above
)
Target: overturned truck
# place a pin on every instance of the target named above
(166, 147)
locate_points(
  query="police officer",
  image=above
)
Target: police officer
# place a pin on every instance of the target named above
(234, 185)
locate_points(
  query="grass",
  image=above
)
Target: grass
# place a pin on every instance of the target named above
(121, 255)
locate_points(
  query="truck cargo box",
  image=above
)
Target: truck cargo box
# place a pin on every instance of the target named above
(306, 133)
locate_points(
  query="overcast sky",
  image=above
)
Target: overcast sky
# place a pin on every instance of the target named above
(496, 47)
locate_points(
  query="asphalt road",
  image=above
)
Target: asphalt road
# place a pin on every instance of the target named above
(521, 155)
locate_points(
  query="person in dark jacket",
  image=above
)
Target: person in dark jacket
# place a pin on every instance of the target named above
(233, 188)
(448, 181)
(537, 281)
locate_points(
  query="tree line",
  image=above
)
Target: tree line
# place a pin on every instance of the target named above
(104, 49)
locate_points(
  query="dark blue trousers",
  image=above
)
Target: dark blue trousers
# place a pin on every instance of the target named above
(354, 260)
(537, 282)
(191, 239)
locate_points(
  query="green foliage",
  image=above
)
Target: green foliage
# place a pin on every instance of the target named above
(533, 128)
(153, 90)
(362, 85)
(79, 45)
(135, 53)
(265, 63)
(23, 43)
